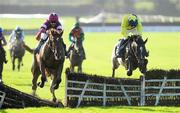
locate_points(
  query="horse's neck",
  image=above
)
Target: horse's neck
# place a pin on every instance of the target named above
(17, 42)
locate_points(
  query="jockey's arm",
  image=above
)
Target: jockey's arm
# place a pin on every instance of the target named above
(139, 27)
(124, 25)
(71, 38)
(38, 35)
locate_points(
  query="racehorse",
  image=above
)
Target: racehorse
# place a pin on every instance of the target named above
(77, 55)
(134, 57)
(17, 51)
(49, 62)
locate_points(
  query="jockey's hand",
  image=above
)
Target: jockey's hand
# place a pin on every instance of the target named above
(59, 31)
(130, 34)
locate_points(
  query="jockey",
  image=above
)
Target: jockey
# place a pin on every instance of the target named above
(51, 22)
(3, 54)
(76, 32)
(17, 32)
(131, 24)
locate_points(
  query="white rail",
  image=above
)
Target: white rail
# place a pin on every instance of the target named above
(2, 96)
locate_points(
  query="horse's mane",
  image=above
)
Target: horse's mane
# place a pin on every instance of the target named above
(54, 33)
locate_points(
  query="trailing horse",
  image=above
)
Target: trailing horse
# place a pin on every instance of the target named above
(49, 62)
(134, 56)
(77, 55)
(17, 51)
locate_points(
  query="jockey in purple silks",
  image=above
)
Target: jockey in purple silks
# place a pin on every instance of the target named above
(51, 22)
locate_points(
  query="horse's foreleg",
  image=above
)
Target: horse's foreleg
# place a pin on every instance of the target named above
(113, 72)
(52, 89)
(129, 71)
(53, 92)
(80, 68)
(59, 73)
(34, 81)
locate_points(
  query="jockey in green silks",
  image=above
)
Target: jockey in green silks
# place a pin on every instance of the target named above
(130, 25)
(76, 32)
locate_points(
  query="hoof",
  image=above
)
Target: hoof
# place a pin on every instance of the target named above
(54, 100)
(40, 84)
(129, 73)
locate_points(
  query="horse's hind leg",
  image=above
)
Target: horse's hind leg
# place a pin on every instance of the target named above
(115, 65)
(80, 68)
(13, 63)
(71, 68)
(1, 69)
(36, 74)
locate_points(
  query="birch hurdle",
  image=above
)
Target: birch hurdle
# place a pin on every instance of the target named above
(93, 90)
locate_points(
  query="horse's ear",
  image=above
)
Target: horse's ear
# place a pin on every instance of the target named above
(145, 40)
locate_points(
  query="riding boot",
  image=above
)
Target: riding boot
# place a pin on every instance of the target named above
(41, 42)
(120, 47)
(68, 52)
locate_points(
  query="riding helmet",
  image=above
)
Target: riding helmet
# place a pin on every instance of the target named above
(132, 20)
(53, 17)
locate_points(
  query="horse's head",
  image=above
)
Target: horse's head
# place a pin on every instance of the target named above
(18, 35)
(55, 43)
(78, 44)
(139, 51)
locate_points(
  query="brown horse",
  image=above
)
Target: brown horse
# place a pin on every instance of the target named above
(134, 57)
(50, 62)
(17, 51)
(77, 55)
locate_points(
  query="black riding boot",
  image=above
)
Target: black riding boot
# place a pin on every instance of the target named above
(69, 49)
(120, 47)
(41, 42)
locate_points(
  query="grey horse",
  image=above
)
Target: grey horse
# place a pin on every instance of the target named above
(134, 56)
(17, 51)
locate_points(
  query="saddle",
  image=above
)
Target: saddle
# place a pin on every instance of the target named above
(120, 47)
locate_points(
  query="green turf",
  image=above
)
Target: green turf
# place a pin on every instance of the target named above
(164, 53)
